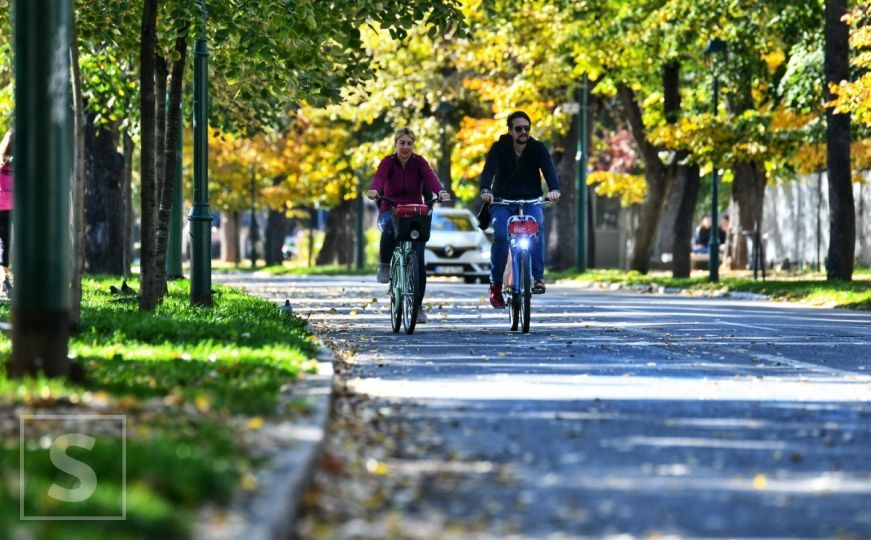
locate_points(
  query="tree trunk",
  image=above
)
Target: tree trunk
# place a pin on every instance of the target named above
(148, 122)
(337, 238)
(127, 207)
(104, 194)
(276, 230)
(77, 185)
(156, 288)
(656, 178)
(170, 152)
(444, 163)
(565, 226)
(842, 209)
(230, 238)
(687, 185)
(748, 192)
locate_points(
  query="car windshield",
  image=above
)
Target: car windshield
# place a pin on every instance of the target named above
(451, 222)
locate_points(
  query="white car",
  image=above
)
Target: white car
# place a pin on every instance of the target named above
(457, 247)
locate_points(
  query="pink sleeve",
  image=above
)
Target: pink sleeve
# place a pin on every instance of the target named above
(380, 175)
(429, 177)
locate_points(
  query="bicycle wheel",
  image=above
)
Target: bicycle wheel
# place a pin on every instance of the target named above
(410, 300)
(395, 296)
(513, 305)
(511, 296)
(525, 287)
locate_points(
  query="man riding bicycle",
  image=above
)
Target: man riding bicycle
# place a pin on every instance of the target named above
(513, 171)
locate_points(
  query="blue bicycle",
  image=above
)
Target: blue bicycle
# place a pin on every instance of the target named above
(522, 231)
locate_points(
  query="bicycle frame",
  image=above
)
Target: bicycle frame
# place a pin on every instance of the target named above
(404, 298)
(522, 231)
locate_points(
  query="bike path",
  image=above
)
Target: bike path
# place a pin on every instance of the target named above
(618, 414)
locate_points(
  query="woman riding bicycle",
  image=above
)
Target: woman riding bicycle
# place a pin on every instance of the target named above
(401, 178)
(513, 171)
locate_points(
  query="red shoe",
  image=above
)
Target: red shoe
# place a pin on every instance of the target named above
(496, 299)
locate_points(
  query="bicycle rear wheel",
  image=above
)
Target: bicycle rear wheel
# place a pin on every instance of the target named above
(411, 299)
(395, 297)
(525, 295)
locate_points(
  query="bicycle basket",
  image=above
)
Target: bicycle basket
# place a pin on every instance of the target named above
(522, 225)
(412, 222)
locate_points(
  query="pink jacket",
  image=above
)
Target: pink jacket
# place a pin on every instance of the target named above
(6, 193)
(404, 185)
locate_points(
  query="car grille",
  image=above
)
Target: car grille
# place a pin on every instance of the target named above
(456, 252)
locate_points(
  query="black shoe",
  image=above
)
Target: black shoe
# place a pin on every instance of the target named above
(538, 287)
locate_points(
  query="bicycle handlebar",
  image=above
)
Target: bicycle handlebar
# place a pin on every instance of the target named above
(537, 200)
(429, 203)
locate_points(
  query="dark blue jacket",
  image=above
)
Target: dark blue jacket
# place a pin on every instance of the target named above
(518, 178)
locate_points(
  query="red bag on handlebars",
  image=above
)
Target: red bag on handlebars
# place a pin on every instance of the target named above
(412, 222)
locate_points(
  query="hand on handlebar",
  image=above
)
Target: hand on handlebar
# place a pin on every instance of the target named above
(372, 194)
(553, 196)
(487, 197)
(444, 196)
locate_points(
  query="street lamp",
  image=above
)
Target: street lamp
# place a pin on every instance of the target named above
(715, 46)
(582, 157)
(200, 215)
(253, 233)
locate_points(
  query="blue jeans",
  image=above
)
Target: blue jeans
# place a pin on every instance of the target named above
(499, 213)
(388, 244)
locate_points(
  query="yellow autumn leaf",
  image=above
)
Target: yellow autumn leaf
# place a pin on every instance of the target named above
(202, 403)
(249, 482)
(254, 423)
(760, 482)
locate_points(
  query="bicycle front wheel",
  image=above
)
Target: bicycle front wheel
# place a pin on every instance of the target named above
(395, 297)
(525, 286)
(411, 299)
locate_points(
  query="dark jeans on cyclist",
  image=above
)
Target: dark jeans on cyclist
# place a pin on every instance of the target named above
(388, 244)
(499, 251)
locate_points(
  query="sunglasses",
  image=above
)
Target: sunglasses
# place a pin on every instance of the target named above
(520, 129)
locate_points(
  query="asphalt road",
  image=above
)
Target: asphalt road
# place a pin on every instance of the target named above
(642, 415)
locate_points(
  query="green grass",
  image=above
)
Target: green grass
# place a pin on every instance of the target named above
(854, 294)
(187, 378)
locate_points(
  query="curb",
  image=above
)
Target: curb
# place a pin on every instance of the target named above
(270, 511)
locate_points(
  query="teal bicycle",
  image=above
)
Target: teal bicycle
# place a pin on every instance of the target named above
(411, 224)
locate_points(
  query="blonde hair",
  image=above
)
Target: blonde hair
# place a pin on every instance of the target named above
(404, 131)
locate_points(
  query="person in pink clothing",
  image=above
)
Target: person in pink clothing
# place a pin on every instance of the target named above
(402, 177)
(6, 200)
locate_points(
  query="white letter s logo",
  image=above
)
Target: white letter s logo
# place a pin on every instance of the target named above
(86, 476)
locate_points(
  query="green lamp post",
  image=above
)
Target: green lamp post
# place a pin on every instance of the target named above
(715, 46)
(200, 215)
(582, 156)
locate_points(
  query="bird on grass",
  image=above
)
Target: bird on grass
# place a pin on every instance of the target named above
(126, 289)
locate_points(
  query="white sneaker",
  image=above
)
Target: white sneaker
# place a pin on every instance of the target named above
(383, 273)
(421, 316)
